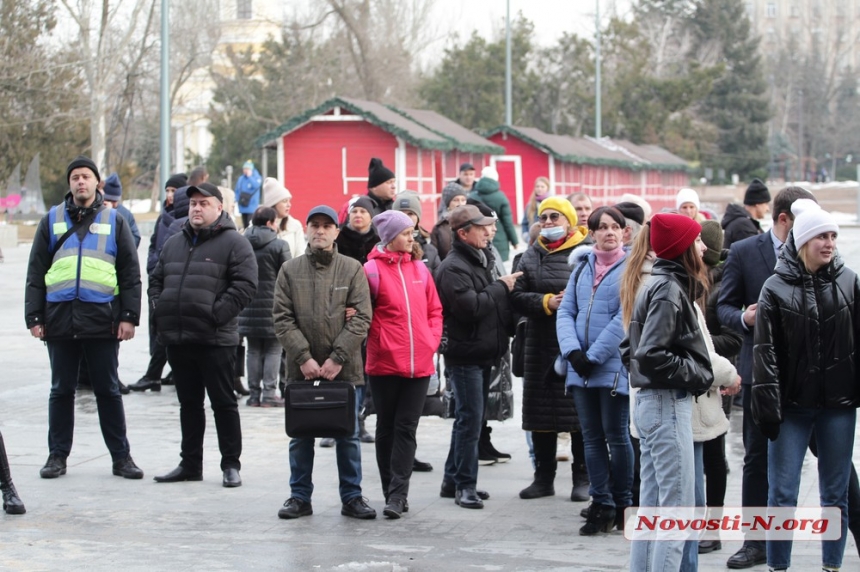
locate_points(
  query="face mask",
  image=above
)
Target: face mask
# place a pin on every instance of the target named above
(552, 233)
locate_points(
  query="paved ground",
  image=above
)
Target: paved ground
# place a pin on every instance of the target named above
(91, 520)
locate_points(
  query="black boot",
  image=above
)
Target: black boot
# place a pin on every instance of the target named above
(579, 492)
(601, 518)
(11, 501)
(143, 384)
(542, 486)
(363, 435)
(238, 387)
(486, 445)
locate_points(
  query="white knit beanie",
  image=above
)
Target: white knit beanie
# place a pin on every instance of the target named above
(274, 192)
(490, 173)
(687, 196)
(810, 221)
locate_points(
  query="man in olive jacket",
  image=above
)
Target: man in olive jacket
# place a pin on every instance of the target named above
(205, 276)
(322, 313)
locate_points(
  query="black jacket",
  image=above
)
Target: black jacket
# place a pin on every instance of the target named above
(727, 342)
(200, 285)
(181, 203)
(354, 244)
(255, 320)
(76, 319)
(159, 236)
(431, 254)
(806, 334)
(379, 205)
(738, 224)
(664, 348)
(546, 405)
(475, 307)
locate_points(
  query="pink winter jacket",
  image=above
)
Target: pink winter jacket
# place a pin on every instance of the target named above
(407, 316)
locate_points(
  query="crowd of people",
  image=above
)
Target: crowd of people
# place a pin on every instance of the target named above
(634, 334)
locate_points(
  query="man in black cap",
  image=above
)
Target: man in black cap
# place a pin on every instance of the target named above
(477, 316)
(82, 298)
(381, 186)
(742, 221)
(322, 339)
(467, 177)
(205, 276)
(634, 215)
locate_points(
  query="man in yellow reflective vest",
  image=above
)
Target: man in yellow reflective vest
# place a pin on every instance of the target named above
(82, 298)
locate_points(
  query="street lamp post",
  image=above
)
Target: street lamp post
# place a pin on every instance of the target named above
(165, 97)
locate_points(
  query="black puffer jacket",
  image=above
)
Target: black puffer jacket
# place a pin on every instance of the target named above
(159, 236)
(737, 225)
(431, 254)
(727, 342)
(806, 335)
(354, 244)
(77, 319)
(664, 348)
(546, 406)
(476, 311)
(199, 286)
(255, 321)
(181, 204)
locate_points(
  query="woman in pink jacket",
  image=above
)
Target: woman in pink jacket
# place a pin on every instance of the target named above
(404, 336)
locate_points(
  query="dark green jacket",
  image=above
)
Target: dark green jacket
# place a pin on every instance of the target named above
(487, 191)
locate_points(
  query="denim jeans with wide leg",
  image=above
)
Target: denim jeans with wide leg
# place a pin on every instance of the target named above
(348, 453)
(461, 466)
(690, 561)
(663, 419)
(604, 416)
(65, 356)
(834, 437)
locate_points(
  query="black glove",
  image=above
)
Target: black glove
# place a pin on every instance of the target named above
(770, 430)
(580, 363)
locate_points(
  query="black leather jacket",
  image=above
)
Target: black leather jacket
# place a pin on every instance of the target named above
(664, 347)
(806, 334)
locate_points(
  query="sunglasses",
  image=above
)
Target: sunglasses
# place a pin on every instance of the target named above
(551, 216)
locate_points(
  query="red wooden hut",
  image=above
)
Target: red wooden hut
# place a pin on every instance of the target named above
(602, 168)
(323, 154)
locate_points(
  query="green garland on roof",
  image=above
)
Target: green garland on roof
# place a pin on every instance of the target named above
(491, 149)
(299, 120)
(582, 160)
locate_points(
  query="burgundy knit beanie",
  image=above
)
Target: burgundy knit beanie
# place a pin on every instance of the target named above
(672, 234)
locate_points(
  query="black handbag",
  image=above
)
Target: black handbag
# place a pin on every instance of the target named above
(319, 408)
(518, 349)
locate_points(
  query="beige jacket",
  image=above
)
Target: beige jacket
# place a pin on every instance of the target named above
(312, 294)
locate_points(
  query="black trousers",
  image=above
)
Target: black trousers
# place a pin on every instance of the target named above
(157, 353)
(716, 470)
(66, 357)
(198, 370)
(399, 402)
(754, 485)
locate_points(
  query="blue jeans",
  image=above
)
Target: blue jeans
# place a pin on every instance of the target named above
(461, 466)
(834, 437)
(604, 418)
(663, 419)
(690, 561)
(348, 453)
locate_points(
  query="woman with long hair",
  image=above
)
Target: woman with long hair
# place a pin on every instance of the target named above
(805, 371)
(589, 330)
(539, 193)
(404, 335)
(547, 407)
(667, 359)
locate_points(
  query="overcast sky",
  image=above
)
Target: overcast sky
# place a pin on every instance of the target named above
(550, 17)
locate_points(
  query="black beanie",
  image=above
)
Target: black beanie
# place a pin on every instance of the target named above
(81, 161)
(378, 173)
(632, 211)
(757, 193)
(176, 181)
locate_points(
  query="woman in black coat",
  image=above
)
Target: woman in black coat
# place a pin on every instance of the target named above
(547, 408)
(805, 371)
(255, 320)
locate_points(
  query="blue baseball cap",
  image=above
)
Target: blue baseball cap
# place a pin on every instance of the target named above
(324, 210)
